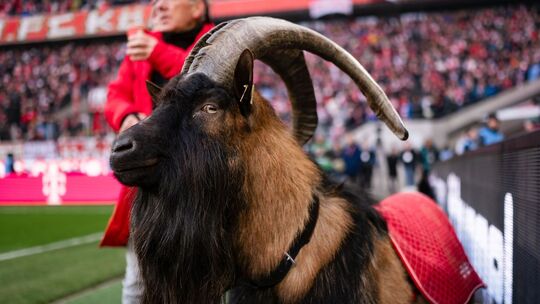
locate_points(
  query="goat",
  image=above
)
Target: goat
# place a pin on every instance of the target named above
(228, 199)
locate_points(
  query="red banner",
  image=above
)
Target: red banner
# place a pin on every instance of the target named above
(117, 20)
(72, 25)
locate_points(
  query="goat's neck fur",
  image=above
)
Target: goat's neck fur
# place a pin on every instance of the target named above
(279, 184)
(278, 187)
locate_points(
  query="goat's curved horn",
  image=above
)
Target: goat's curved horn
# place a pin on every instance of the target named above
(291, 67)
(216, 53)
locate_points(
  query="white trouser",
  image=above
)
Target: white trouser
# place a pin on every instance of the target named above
(132, 285)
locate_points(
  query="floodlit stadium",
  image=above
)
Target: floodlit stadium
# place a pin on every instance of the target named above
(247, 151)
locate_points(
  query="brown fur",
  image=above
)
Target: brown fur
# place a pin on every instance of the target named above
(389, 275)
(270, 222)
(333, 225)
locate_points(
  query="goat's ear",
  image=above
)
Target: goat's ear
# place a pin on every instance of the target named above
(243, 82)
(154, 91)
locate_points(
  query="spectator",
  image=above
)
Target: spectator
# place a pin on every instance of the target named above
(446, 153)
(429, 154)
(46, 129)
(367, 162)
(319, 150)
(10, 164)
(409, 158)
(156, 56)
(338, 165)
(490, 134)
(392, 160)
(424, 186)
(351, 157)
(4, 127)
(468, 141)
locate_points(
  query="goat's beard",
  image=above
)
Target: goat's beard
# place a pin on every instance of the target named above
(181, 231)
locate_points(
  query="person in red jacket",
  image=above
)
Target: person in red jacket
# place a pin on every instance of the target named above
(156, 55)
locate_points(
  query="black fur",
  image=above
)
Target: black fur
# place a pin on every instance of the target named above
(181, 225)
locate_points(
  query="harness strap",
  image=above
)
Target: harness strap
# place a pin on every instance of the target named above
(279, 273)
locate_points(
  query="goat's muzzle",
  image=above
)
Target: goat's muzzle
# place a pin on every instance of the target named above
(130, 161)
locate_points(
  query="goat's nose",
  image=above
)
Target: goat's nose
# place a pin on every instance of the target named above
(123, 144)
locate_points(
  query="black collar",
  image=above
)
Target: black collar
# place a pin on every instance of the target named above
(278, 274)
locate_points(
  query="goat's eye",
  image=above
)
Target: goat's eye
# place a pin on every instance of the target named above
(210, 108)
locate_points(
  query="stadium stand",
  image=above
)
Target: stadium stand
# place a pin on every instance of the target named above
(33, 7)
(430, 65)
(41, 81)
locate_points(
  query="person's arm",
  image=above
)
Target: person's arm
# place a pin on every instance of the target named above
(120, 101)
(168, 59)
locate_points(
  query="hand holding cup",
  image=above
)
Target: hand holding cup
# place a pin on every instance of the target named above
(140, 44)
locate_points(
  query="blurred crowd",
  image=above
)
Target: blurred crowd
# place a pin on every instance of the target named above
(39, 83)
(33, 7)
(355, 163)
(429, 64)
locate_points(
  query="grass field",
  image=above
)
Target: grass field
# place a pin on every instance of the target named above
(56, 273)
(108, 293)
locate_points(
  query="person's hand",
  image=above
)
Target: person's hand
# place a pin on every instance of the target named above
(140, 45)
(131, 120)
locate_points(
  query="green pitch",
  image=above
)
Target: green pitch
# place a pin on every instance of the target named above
(108, 293)
(54, 274)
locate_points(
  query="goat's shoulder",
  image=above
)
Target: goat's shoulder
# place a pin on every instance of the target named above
(365, 258)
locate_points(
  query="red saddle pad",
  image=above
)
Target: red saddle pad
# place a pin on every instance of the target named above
(429, 248)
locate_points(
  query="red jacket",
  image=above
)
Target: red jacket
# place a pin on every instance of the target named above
(127, 94)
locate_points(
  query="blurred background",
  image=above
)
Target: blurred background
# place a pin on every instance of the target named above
(464, 76)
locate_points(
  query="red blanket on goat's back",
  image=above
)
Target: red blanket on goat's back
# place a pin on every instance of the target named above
(429, 248)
